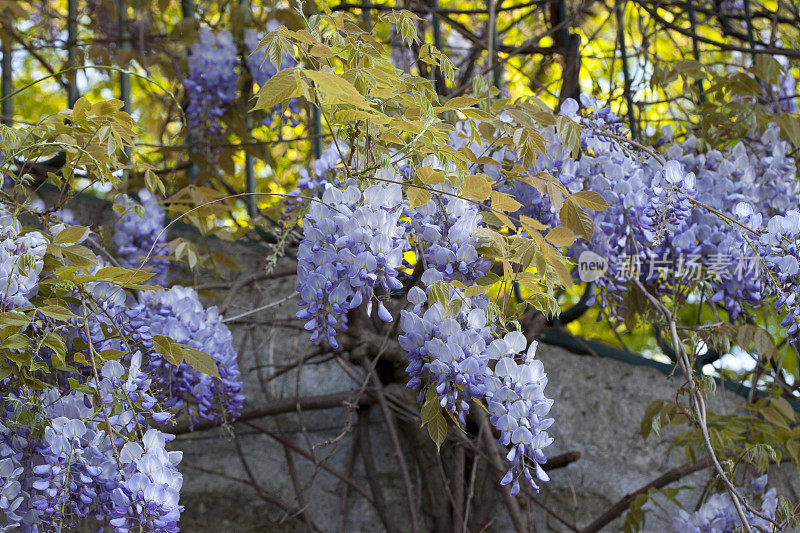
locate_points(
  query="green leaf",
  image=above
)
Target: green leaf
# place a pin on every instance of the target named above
(417, 196)
(570, 133)
(489, 279)
(561, 236)
(430, 176)
(356, 115)
(280, 88)
(764, 344)
(477, 187)
(74, 384)
(591, 200)
(430, 408)
(200, 361)
(337, 90)
(576, 219)
(70, 234)
(504, 202)
(14, 318)
(437, 429)
(17, 341)
(460, 102)
(169, 349)
(453, 307)
(439, 293)
(55, 343)
(653, 410)
(57, 312)
(80, 255)
(110, 354)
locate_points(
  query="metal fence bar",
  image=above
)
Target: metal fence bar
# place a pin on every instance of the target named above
(625, 72)
(249, 164)
(125, 45)
(188, 12)
(7, 81)
(316, 131)
(695, 50)
(72, 39)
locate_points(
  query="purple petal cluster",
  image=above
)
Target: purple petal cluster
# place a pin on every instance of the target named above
(779, 248)
(351, 252)
(262, 70)
(21, 262)
(651, 229)
(211, 85)
(60, 467)
(135, 235)
(445, 228)
(448, 353)
(457, 356)
(178, 314)
(718, 514)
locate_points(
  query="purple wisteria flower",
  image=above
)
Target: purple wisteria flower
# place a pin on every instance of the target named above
(718, 514)
(210, 86)
(458, 357)
(178, 314)
(445, 228)
(63, 468)
(135, 235)
(21, 262)
(351, 253)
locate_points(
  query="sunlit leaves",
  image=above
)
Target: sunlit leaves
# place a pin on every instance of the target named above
(576, 219)
(280, 88)
(417, 196)
(477, 187)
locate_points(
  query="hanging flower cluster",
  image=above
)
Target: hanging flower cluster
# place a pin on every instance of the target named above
(59, 463)
(459, 358)
(135, 233)
(70, 468)
(210, 86)
(21, 262)
(352, 249)
(718, 514)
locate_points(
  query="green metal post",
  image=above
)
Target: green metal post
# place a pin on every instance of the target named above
(625, 72)
(316, 131)
(695, 50)
(249, 164)
(436, 25)
(187, 9)
(72, 39)
(7, 83)
(188, 12)
(125, 45)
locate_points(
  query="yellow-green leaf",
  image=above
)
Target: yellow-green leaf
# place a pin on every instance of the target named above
(417, 196)
(504, 202)
(437, 429)
(576, 219)
(200, 361)
(477, 187)
(591, 200)
(70, 234)
(337, 90)
(279, 88)
(561, 236)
